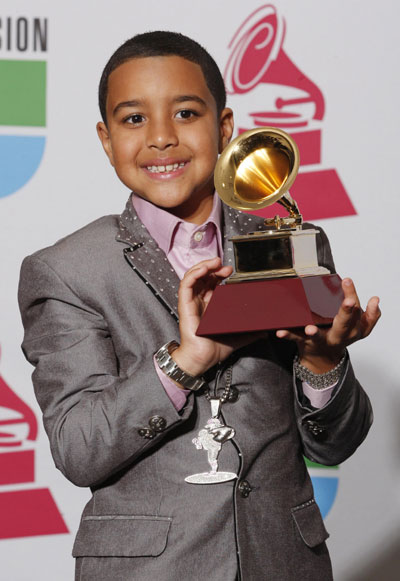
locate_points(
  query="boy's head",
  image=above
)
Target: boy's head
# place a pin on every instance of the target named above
(163, 103)
(164, 43)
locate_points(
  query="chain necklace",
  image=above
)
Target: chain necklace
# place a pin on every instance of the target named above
(229, 394)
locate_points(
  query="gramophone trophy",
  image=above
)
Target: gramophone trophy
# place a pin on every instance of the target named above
(277, 282)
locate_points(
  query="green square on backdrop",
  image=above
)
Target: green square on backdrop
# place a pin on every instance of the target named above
(311, 464)
(23, 93)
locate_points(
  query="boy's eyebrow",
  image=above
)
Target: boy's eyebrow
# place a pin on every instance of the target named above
(178, 99)
(123, 104)
(184, 98)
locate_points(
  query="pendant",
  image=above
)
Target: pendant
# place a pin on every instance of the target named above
(211, 438)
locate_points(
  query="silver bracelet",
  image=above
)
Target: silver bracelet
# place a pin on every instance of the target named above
(318, 380)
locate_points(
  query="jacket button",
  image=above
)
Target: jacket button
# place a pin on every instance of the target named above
(233, 395)
(147, 433)
(316, 430)
(244, 488)
(157, 423)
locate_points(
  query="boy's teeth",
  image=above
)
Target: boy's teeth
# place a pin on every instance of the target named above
(163, 168)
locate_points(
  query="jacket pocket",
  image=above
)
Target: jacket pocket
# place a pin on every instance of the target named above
(121, 536)
(309, 523)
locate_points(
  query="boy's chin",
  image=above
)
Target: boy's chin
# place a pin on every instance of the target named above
(169, 203)
(165, 203)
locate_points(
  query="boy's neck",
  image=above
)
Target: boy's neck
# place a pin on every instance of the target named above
(194, 211)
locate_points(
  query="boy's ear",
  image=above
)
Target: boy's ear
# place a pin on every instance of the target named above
(105, 139)
(225, 128)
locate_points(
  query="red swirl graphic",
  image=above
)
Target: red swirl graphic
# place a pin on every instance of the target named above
(255, 46)
(257, 57)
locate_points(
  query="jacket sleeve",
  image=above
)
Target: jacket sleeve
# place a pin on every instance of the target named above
(332, 433)
(98, 420)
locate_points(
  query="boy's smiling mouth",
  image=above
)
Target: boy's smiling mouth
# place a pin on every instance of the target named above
(164, 168)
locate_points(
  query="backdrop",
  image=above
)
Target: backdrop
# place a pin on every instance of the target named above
(327, 72)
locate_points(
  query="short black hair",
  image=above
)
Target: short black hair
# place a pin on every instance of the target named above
(164, 43)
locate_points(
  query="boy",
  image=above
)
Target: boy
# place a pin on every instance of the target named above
(132, 399)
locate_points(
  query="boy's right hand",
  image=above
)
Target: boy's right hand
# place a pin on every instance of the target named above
(197, 354)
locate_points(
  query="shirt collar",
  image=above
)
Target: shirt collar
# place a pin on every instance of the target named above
(162, 225)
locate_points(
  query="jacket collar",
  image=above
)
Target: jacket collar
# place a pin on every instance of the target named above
(151, 263)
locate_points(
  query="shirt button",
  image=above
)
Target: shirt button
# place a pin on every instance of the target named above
(198, 236)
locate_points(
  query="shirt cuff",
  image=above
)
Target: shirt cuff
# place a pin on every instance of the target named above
(177, 395)
(318, 397)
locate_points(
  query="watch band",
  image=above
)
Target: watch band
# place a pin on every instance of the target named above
(171, 369)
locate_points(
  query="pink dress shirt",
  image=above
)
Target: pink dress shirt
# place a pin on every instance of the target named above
(186, 244)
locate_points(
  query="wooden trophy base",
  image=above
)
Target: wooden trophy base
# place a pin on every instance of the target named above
(280, 303)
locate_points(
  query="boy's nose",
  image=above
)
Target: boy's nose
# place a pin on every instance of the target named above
(161, 134)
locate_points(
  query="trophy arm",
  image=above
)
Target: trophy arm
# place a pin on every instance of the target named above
(291, 222)
(290, 205)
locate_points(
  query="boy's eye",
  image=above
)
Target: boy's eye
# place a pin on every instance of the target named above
(135, 119)
(186, 114)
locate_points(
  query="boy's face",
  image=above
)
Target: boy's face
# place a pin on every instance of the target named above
(163, 134)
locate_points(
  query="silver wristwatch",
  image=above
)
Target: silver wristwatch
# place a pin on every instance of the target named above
(171, 369)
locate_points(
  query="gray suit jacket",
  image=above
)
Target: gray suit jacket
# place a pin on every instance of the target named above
(95, 307)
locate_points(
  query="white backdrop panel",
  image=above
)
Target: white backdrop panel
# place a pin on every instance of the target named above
(349, 48)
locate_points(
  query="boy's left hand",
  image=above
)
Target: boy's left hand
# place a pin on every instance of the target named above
(320, 349)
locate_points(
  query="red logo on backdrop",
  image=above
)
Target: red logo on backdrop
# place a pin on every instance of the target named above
(280, 95)
(25, 510)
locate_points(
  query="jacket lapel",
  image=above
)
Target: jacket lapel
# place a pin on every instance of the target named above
(148, 260)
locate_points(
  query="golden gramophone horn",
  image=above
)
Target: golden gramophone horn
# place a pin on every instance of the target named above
(256, 169)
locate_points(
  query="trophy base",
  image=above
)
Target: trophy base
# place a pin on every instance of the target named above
(263, 305)
(237, 277)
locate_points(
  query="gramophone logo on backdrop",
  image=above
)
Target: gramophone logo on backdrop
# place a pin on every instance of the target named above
(276, 93)
(22, 101)
(26, 509)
